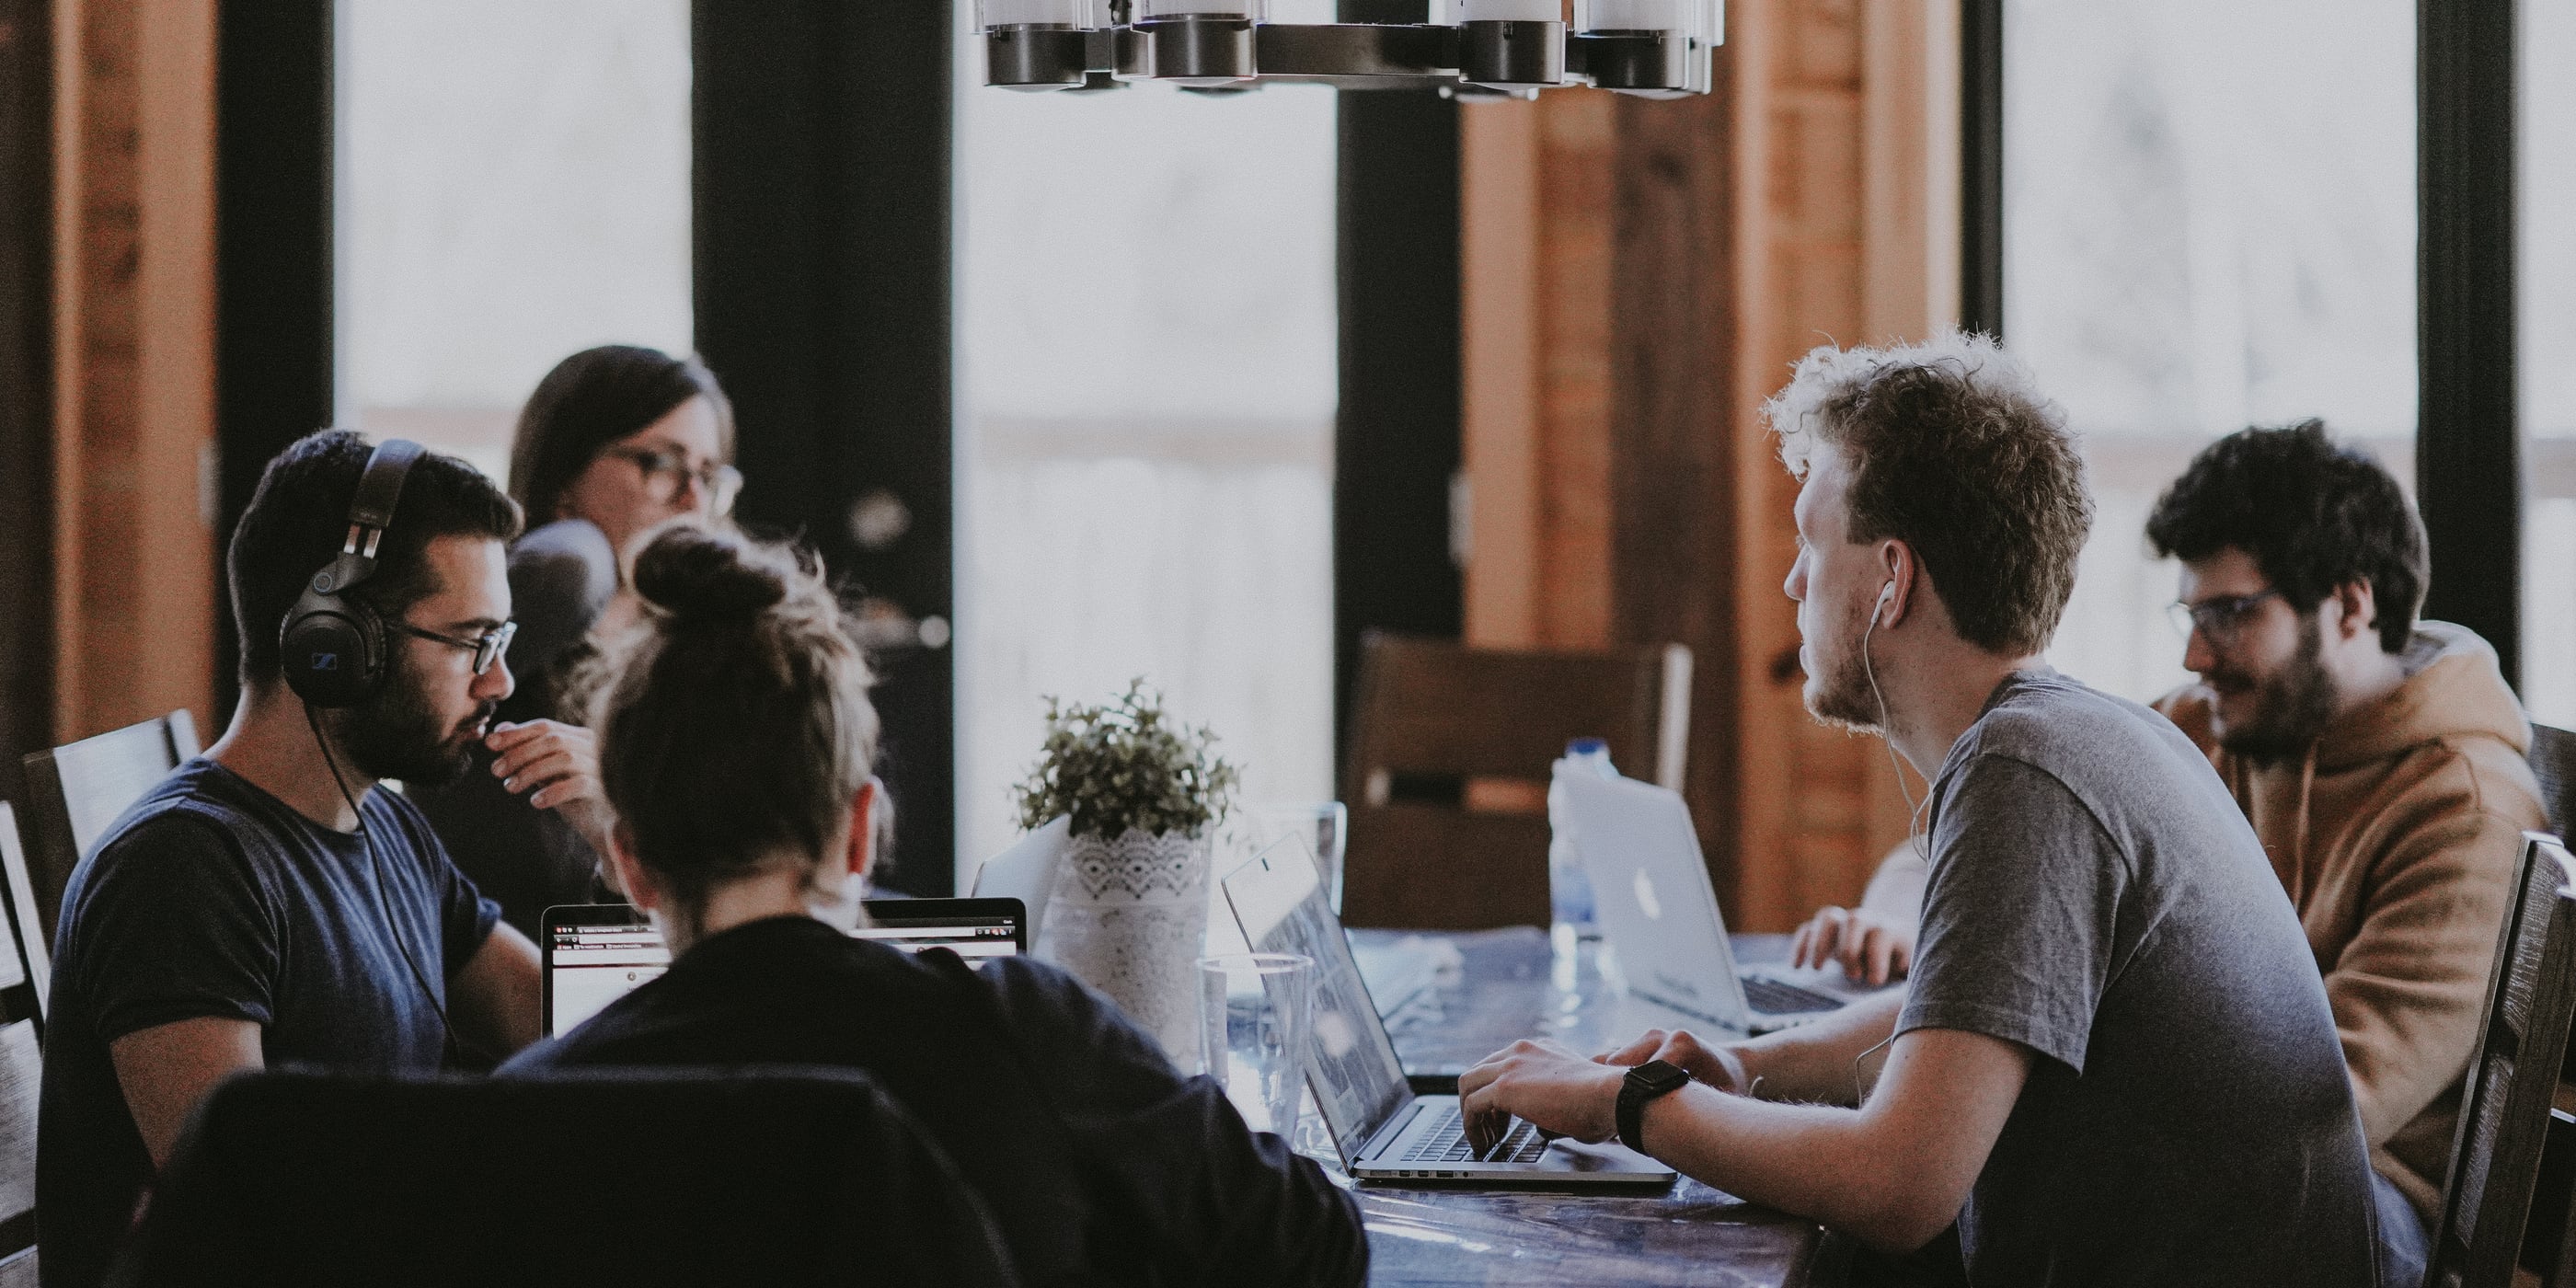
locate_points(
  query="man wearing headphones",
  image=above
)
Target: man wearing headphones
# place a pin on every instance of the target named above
(264, 905)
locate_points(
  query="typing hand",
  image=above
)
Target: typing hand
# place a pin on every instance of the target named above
(556, 766)
(1557, 1090)
(1718, 1066)
(1872, 949)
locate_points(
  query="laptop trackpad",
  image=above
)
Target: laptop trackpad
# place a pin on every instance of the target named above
(1609, 1156)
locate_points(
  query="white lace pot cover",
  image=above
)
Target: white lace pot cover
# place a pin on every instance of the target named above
(1128, 918)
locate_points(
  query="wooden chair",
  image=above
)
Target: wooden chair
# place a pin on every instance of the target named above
(21, 1075)
(2553, 762)
(1439, 714)
(2487, 1200)
(74, 792)
(34, 965)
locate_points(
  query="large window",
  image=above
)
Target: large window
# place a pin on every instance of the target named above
(514, 186)
(1146, 390)
(2547, 181)
(2209, 222)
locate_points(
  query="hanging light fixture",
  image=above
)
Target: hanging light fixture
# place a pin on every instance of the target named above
(1655, 48)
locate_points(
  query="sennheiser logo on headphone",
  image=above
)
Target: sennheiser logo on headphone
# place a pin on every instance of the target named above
(326, 661)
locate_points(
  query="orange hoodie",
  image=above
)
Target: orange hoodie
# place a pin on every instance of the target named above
(2396, 838)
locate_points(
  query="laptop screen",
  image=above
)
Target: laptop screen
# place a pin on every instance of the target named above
(1351, 1065)
(597, 953)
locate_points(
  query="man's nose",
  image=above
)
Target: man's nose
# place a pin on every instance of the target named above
(497, 684)
(2198, 655)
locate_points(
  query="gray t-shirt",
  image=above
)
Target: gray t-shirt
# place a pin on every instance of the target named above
(2096, 897)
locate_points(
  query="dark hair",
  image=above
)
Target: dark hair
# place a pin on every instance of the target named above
(299, 519)
(734, 724)
(2314, 515)
(1954, 453)
(592, 399)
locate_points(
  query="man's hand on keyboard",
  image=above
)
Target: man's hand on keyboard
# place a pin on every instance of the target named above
(1871, 948)
(1717, 1066)
(1542, 1081)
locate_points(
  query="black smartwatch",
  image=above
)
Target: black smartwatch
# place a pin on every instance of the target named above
(1643, 1083)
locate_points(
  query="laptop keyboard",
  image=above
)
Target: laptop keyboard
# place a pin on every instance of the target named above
(1447, 1143)
(1772, 997)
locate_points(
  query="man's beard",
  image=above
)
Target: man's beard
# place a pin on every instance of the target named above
(2290, 709)
(1843, 696)
(394, 734)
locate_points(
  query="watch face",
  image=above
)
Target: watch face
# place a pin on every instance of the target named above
(1659, 1075)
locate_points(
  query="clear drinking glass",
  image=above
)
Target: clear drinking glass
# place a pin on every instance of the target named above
(1256, 1012)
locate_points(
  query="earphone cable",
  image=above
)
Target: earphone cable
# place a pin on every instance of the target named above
(376, 870)
(1914, 835)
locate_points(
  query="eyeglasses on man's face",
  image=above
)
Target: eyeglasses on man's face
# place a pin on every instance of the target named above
(667, 473)
(2219, 618)
(487, 647)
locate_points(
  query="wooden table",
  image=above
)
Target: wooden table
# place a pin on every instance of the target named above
(1484, 990)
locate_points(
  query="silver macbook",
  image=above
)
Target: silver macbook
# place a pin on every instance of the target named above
(1382, 1129)
(1658, 912)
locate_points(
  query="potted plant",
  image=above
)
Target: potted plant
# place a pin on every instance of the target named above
(1129, 910)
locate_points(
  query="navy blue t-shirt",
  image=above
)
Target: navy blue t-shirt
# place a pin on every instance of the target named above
(211, 898)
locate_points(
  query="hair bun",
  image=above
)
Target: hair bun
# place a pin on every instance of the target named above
(700, 574)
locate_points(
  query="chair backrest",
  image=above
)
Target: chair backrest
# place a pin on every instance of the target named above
(2553, 762)
(1432, 711)
(2506, 1097)
(35, 964)
(75, 792)
(21, 1075)
(629, 1178)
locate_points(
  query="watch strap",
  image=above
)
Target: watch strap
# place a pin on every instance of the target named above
(1645, 1082)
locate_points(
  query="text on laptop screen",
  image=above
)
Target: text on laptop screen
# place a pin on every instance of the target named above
(594, 965)
(1351, 1065)
(971, 938)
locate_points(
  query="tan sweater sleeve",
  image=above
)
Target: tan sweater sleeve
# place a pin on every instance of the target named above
(2408, 988)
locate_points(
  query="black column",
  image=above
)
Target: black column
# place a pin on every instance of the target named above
(2468, 442)
(26, 384)
(1396, 438)
(273, 251)
(1981, 166)
(822, 138)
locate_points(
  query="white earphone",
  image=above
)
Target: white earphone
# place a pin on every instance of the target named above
(1885, 593)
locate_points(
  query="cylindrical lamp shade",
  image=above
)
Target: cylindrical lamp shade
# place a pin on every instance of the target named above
(1509, 10)
(1245, 10)
(992, 14)
(1682, 17)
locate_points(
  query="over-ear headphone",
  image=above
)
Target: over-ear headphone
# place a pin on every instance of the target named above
(333, 646)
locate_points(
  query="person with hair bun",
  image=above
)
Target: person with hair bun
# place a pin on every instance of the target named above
(736, 738)
(615, 441)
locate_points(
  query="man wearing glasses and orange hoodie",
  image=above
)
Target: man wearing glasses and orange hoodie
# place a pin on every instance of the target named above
(2379, 758)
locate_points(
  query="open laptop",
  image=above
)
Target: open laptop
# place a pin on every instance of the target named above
(595, 953)
(1382, 1129)
(1651, 892)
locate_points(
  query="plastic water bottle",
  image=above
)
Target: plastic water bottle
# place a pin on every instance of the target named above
(1569, 884)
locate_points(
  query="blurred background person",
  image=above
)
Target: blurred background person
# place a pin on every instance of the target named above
(616, 440)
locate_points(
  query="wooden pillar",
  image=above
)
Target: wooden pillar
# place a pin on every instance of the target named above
(133, 323)
(1638, 277)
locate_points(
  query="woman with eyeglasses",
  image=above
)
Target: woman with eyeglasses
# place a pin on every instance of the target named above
(615, 442)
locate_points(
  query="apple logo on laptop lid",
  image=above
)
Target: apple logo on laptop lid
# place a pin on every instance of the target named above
(1646, 899)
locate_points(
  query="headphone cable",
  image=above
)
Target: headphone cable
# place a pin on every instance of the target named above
(375, 868)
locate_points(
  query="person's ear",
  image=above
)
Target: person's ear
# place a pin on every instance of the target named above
(2360, 609)
(627, 872)
(1896, 595)
(863, 829)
